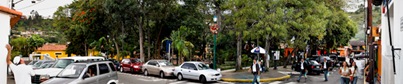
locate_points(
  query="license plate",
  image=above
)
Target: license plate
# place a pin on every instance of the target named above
(317, 66)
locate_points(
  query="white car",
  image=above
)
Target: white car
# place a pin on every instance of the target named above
(196, 71)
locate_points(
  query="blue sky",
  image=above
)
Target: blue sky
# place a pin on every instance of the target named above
(45, 8)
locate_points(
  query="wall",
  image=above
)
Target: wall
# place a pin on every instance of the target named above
(52, 53)
(397, 40)
(4, 32)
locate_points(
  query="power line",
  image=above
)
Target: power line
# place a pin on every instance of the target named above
(31, 5)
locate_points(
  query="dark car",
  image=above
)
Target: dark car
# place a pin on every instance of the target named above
(132, 65)
(116, 63)
(312, 66)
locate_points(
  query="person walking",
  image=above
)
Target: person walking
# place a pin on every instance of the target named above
(22, 72)
(345, 73)
(353, 76)
(325, 67)
(303, 67)
(255, 69)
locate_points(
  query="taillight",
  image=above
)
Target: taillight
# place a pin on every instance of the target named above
(312, 67)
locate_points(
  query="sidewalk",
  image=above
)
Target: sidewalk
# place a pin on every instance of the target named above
(245, 76)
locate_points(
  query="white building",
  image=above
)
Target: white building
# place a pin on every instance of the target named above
(396, 24)
(8, 18)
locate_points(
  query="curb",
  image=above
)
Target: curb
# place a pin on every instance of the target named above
(261, 80)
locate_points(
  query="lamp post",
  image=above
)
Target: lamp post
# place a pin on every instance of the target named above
(214, 29)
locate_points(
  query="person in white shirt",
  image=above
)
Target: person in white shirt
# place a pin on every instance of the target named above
(255, 69)
(354, 70)
(345, 73)
(22, 72)
(325, 67)
(303, 69)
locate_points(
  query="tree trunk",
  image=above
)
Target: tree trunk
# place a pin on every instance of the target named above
(239, 53)
(267, 48)
(117, 49)
(158, 41)
(141, 39)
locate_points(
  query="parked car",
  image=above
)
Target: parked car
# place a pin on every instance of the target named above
(49, 73)
(116, 63)
(102, 72)
(46, 65)
(39, 63)
(131, 65)
(163, 68)
(196, 71)
(313, 67)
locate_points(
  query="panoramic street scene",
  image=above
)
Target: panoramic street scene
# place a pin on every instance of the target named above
(201, 41)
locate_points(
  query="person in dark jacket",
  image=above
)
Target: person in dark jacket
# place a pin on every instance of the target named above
(325, 67)
(304, 68)
(255, 70)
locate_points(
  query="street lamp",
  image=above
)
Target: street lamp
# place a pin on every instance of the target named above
(214, 29)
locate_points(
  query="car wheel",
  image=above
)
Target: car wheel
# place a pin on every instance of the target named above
(145, 72)
(121, 69)
(202, 79)
(162, 74)
(180, 77)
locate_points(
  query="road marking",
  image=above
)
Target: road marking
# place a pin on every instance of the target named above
(276, 82)
(179, 82)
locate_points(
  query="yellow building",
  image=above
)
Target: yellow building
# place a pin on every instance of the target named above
(53, 50)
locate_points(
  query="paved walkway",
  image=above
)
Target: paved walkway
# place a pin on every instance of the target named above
(245, 76)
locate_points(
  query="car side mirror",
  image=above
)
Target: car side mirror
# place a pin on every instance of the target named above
(158, 65)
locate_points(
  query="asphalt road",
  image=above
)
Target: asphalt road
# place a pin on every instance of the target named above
(128, 78)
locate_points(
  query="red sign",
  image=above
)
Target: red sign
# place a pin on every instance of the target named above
(214, 28)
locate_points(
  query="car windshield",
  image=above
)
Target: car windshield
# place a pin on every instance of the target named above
(43, 65)
(314, 62)
(165, 63)
(135, 60)
(202, 66)
(71, 71)
(62, 63)
(38, 64)
(32, 62)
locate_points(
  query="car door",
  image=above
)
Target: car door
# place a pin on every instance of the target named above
(154, 68)
(184, 70)
(90, 80)
(113, 75)
(125, 65)
(193, 72)
(104, 75)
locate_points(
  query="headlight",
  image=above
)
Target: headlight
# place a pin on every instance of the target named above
(212, 74)
(136, 66)
(44, 78)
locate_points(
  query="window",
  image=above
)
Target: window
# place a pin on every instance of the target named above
(192, 67)
(185, 66)
(58, 54)
(153, 63)
(125, 61)
(112, 67)
(92, 71)
(103, 68)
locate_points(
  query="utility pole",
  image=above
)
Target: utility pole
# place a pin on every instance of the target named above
(370, 41)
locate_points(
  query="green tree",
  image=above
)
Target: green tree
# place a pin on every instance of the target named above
(26, 46)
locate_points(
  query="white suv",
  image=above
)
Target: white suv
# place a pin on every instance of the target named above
(48, 73)
(196, 71)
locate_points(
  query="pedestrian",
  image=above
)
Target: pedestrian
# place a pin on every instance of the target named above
(325, 67)
(345, 73)
(303, 67)
(22, 72)
(353, 76)
(255, 70)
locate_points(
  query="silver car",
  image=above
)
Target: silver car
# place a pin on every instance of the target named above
(87, 73)
(163, 68)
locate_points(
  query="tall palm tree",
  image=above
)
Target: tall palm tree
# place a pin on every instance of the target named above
(179, 43)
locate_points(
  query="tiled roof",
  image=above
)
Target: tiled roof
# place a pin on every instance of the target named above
(52, 47)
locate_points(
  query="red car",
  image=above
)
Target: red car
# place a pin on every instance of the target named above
(132, 65)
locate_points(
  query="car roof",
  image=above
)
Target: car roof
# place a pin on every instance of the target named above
(158, 60)
(193, 62)
(83, 57)
(92, 62)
